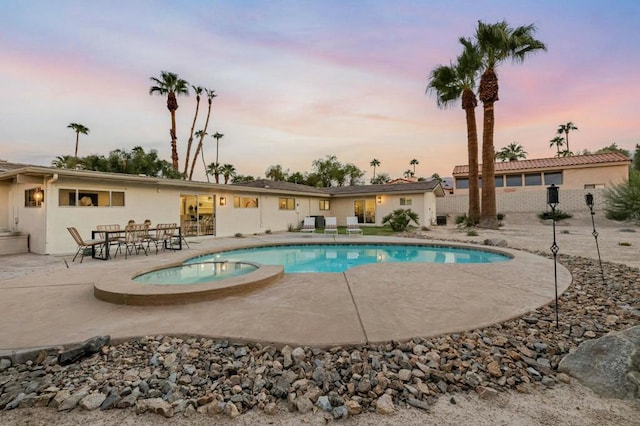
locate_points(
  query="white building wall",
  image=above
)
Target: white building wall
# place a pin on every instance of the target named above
(5, 207)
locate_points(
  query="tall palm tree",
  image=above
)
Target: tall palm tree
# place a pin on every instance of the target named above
(200, 134)
(171, 85)
(497, 43)
(215, 169)
(198, 91)
(558, 141)
(78, 128)
(413, 163)
(210, 95)
(217, 136)
(65, 162)
(374, 163)
(566, 128)
(454, 82)
(228, 171)
(512, 152)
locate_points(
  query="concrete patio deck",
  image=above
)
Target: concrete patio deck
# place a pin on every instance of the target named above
(43, 302)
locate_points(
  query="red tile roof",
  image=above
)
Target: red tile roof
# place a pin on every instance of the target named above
(552, 163)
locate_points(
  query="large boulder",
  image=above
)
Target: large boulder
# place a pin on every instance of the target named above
(610, 365)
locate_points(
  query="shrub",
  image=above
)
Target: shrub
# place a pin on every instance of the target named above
(472, 233)
(291, 227)
(624, 243)
(464, 221)
(559, 215)
(424, 228)
(623, 201)
(238, 235)
(399, 219)
(268, 231)
(501, 216)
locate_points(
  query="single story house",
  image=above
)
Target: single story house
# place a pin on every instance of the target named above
(521, 185)
(41, 202)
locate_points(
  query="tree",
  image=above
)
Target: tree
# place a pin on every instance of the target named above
(198, 91)
(374, 163)
(215, 170)
(407, 173)
(228, 171)
(495, 44)
(512, 152)
(636, 159)
(558, 142)
(381, 178)
(354, 174)
(413, 163)
(242, 178)
(296, 177)
(65, 162)
(78, 128)
(565, 129)
(400, 219)
(623, 200)
(454, 82)
(210, 95)
(437, 178)
(276, 173)
(614, 148)
(173, 86)
(217, 136)
(327, 170)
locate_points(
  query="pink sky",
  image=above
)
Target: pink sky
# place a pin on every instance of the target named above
(297, 81)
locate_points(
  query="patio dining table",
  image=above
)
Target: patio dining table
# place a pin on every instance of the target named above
(112, 235)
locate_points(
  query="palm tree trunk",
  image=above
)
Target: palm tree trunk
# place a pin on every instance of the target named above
(488, 95)
(174, 142)
(566, 134)
(204, 133)
(77, 139)
(469, 103)
(193, 125)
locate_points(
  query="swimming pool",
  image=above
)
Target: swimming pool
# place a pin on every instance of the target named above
(340, 257)
(195, 273)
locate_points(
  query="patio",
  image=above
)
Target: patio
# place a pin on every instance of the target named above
(49, 303)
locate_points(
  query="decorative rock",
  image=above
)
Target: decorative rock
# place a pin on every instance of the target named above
(340, 412)
(271, 408)
(418, 404)
(384, 404)
(71, 402)
(298, 355)
(92, 401)
(231, 410)
(604, 364)
(156, 406)
(497, 242)
(286, 353)
(88, 347)
(323, 403)
(353, 407)
(486, 393)
(303, 404)
(494, 369)
(4, 364)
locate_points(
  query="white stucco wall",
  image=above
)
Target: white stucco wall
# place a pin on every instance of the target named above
(5, 207)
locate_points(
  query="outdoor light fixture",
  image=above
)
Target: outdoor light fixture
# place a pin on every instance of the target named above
(379, 199)
(38, 195)
(223, 201)
(553, 200)
(588, 199)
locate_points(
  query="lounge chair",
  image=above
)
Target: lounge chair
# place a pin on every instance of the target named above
(352, 226)
(84, 244)
(331, 225)
(309, 225)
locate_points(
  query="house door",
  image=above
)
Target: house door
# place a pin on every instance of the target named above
(197, 212)
(365, 210)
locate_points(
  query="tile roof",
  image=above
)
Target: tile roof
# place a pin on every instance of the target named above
(552, 163)
(385, 188)
(284, 186)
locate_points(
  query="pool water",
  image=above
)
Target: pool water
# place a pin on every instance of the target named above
(195, 273)
(339, 258)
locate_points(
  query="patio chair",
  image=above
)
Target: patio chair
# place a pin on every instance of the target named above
(331, 225)
(133, 240)
(113, 231)
(352, 226)
(83, 245)
(309, 225)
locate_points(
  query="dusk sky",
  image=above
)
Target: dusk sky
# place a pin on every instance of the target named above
(299, 80)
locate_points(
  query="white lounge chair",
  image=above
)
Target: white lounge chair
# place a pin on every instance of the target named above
(309, 225)
(352, 226)
(331, 225)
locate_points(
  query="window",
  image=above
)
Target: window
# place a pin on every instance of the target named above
(532, 179)
(287, 203)
(405, 201)
(462, 183)
(499, 181)
(593, 185)
(90, 198)
(245, 202)
(553, 178)
(324, 205)
(514, 180)
(33, 197)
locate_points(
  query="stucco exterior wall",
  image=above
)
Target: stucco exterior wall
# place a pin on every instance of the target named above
(5, 207)
(571, 200)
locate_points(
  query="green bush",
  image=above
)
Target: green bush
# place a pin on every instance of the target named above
(472, 233)
(501, 216)
(623, 201)
(559, 215)
(399, 219)
(464, 221)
